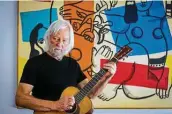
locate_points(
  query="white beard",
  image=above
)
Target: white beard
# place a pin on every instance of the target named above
(57, 54)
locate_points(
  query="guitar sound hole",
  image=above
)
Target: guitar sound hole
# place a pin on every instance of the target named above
(75, 110)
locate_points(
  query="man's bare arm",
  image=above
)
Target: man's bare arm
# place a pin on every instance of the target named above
(26, 100)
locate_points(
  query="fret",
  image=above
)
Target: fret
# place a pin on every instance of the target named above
(114, 59)
(86, 88)
(99, 75)
(95, 79)
(93, 82)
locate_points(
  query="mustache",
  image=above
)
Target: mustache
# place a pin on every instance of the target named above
(57, 49)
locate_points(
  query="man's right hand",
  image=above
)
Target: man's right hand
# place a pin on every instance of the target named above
(64, 103)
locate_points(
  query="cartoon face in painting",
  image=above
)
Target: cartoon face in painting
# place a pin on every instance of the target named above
(144, 5)
(59, 42)
(101, 25)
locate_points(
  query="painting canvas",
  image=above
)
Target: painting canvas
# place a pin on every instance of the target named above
(143, 78)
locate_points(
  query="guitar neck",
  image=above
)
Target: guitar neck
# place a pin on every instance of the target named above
(91, 84)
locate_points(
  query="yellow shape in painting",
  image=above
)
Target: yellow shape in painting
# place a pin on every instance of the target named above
(21, 63)
(168, 63)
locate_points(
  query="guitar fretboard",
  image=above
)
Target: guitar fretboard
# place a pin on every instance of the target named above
(90, 85)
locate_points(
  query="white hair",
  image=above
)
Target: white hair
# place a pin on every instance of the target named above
(55, 27)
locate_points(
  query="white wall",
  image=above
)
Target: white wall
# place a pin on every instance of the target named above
(8, 54)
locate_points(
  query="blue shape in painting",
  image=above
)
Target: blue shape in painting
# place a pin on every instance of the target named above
(157, 9)
(36, 21)
(151, 30)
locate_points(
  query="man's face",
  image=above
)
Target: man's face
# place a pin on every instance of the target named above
(59, 42)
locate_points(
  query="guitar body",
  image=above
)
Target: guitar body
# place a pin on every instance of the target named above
(84, 107)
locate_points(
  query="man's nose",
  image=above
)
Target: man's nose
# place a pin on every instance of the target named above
(59, 44)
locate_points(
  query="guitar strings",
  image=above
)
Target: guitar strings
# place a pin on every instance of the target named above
(84, 91)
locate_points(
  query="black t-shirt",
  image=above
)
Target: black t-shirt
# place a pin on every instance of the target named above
(50, 77)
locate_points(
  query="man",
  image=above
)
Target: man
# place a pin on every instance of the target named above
(46, 76)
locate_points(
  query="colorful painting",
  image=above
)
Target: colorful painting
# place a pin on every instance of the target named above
(143, 78)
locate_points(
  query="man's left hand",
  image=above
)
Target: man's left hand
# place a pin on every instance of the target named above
(111, 67)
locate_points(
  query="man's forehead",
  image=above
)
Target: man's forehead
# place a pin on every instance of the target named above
(67, 31)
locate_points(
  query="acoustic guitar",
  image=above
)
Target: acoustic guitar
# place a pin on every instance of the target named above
(83, 104)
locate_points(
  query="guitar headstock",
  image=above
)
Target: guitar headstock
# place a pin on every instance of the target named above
(122, 52)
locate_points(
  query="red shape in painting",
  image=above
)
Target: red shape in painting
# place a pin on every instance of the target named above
(141, 76)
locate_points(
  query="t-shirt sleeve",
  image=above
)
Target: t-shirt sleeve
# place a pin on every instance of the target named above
(81, 75)
(29, 73)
